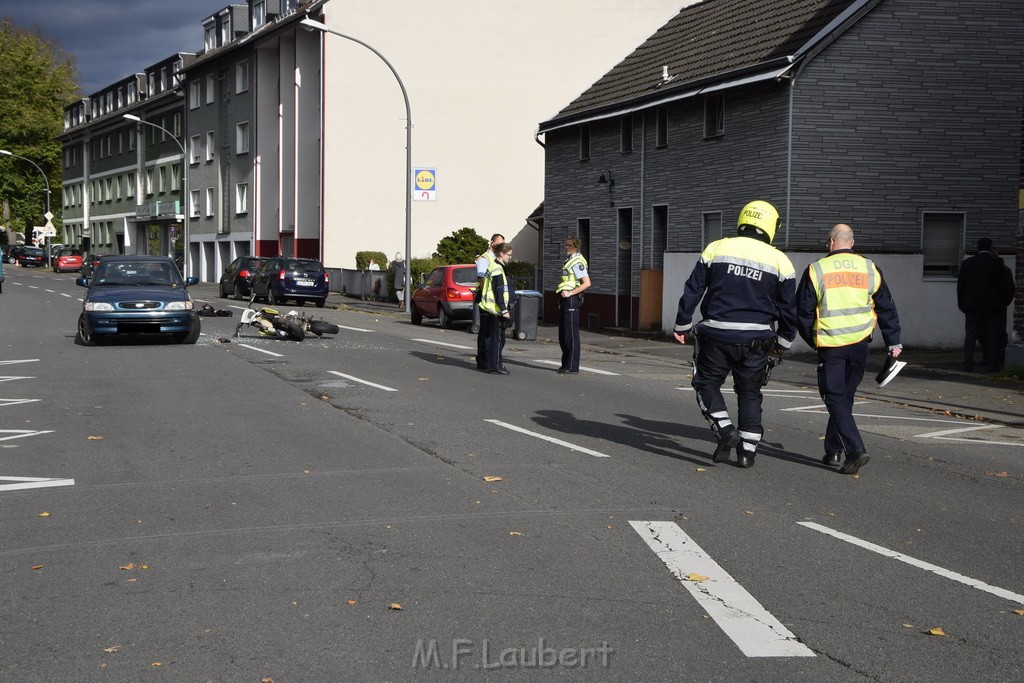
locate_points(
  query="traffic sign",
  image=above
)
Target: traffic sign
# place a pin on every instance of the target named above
(426, 185)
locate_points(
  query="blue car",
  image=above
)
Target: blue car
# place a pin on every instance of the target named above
(285, 277)
(137, 295)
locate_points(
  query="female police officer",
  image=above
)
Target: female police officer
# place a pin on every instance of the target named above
(575, 280)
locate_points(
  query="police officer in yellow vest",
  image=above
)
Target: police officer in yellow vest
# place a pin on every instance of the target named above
(747, 294)
(575, 280)
(495, 301)
(839, 301)
(483, 265)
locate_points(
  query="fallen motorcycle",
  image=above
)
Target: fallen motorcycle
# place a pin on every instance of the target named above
(272, 323)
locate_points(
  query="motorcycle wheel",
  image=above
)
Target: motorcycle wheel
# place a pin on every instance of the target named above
(295, 331)
(319, 327)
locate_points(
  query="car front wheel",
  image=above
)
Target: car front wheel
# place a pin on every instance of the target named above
(192, 335)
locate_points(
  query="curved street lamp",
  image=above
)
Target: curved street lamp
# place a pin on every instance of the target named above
(313, 25)
(46, 182)
(186, 199)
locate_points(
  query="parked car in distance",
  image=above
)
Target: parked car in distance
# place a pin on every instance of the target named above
(13, 251)
(89, 263)
(446, 294)
(33, 257)
(137, 295)
(54, 249)
(67, 260)
(285, 277)
(237, 278)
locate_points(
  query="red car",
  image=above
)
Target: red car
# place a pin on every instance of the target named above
(67, 260)
(446, 294)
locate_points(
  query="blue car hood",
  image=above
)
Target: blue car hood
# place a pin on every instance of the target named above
(114, 293)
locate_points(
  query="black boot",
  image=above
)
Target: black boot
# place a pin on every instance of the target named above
(728, 438)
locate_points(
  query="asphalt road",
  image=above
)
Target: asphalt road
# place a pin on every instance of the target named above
(258, 509)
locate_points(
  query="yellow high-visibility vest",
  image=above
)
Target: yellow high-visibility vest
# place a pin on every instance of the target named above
(845, 283)
(569, 280)
(488, 298)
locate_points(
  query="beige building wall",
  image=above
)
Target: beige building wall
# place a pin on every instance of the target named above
(480, 77)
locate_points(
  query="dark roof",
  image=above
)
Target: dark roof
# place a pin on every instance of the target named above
(708, 41)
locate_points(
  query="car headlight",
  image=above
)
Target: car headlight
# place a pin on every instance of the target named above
(98, 306)
(179, 305)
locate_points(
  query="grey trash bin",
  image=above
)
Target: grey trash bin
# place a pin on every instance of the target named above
(527, 313)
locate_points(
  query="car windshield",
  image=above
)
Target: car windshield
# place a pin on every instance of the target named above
(70, 252)
(33, 252)
(139, 273)
(464, 276)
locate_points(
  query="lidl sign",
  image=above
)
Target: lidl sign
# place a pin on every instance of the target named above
(425, 185)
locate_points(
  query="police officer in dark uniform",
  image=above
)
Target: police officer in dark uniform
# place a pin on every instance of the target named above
(749, 311)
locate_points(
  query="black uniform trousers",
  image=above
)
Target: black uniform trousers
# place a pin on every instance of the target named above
(988, 326)
(840, 370)
(713, 362)
(492, 332)
(569, 330)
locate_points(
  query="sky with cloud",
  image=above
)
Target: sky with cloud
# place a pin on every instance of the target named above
(112, 39)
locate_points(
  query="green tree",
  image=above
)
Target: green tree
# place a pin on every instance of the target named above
(37, 79)
(462, 246)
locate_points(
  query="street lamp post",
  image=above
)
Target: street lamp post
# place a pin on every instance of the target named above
(186, 198)
(313, 25)
(46, 182)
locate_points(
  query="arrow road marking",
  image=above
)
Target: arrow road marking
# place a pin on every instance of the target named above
(566, 444)
(920, 564)
(753, 628)
(361, 381)
(33, 483)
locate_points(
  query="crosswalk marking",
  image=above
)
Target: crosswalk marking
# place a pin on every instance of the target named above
(756, 632)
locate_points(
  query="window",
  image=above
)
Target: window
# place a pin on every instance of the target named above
(131, 93)
(117, 187)
(942, 239)
(164, 83)
(714, 116)
(242, 76)
(209, 36)
(162, 179)
(163, 128)
(626, 133)
(583, 232)
(712, 227)
(659, 236)
(176, 124)
(149, 182)
(108, 188)
(242, 137)
(259, 13)
(210, 203)
(209, 145)
(661, 127)
(152, 84)
(225, 29)
(120, 97)
(193, 149)
(193, 203)
(194, 94)
(211, 91)
(584, 142)
(129, 187)
(241, 198)
(175, 177)
(131, 139)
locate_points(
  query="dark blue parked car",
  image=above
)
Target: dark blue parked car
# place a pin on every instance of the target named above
(137, 295)
(285, 277)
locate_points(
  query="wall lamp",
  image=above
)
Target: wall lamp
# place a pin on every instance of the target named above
(607, 179)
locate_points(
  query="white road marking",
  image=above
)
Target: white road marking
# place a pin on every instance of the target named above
(553, 440)
(12, 362)
(11, 378)
(254, 348)
(441, 343)
(33, 483)
(753, 628)
(354, 329)
(361, 381)
(17, 401)
(920, 564)
(816, 407)
(22, 433)
(782, 393)
(50, 291)
(67, 295)
(32, 287)
(932, 435)
(582, 369)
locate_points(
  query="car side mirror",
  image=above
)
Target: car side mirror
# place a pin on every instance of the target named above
(82, 281)
(191, 280)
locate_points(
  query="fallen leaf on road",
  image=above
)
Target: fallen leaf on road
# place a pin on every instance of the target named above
(156, 664)
(37, 567)
(997, 474)
(907, 625)
(423, 379)
(127, 567)
(44, 514)
(701, 469)
(1019, 611)
(266, 679)
(94, 438)
(351, 602)
(492, 478)
(748, 512)
(936, 632)
(693, 576)
(395, 607)
(515, 533)
(112, 648)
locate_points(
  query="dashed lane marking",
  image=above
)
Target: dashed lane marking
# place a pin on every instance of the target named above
(361, 381)
(22, 433)
(920, 564)
(255, 348)
(4, 402)
(756, 632)
(13, 362)
(11, 378)
(32, 483)
(441, 343)
(551, 439)
(354, 329)
(582, 369)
